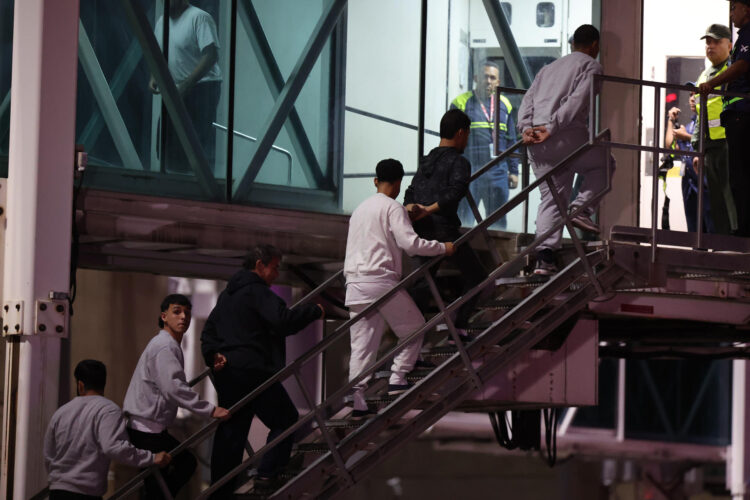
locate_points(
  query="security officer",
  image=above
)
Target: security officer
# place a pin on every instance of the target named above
(716, 168)
(736, 115)
(492, 187)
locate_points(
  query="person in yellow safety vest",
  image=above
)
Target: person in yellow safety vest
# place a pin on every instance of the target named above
(716, 164)
(736, 115)
(492, 187)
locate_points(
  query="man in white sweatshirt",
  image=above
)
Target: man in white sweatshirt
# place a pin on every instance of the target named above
(85, 434)
(158, 388)
(379, 230)
(553, 119)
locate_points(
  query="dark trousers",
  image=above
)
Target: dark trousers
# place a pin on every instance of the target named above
(273, 407)
(491, 189)
(723, 212)
(176, 474)
(472, 273)
(737, 126)
(69, 495)
(200, 103)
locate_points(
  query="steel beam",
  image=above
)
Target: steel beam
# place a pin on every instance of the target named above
(289, 93)
(172, 100)
(121, 77)
(275, 80)
(516, 65)
(106, 101)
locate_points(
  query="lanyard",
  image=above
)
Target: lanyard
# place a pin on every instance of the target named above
(491, 114)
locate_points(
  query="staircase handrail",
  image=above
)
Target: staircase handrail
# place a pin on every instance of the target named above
(293, 369)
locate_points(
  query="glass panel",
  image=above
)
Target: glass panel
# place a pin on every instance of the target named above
(463, 51)
(508, 10)
(382, 93)
(545, 14)
(120, 119)
(297, 170)
(666, 401)
(6, 56)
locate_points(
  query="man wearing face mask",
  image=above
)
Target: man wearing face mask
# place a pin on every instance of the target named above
(491, 188)
(716, 167)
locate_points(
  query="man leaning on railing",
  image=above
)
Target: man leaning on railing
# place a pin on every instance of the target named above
(736, 115)
(244, 342)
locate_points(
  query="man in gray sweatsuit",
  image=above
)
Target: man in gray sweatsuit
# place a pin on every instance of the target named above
(553, 120)
(158, 388)
(84, 435)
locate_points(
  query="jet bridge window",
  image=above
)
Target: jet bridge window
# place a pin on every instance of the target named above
(545, 14)
(508, 11)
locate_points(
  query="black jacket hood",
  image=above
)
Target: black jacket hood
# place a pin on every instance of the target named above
(243, 278)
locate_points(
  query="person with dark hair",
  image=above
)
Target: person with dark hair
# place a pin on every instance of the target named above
(158, 388)
(440, 183)
(193, 57)
(379, 231)
(735, 117)
(491, 188)
(553, 119)
(716, 160)
(85, 434)
(244, 342)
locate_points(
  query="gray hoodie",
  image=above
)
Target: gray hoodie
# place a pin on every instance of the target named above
(159, 387)
(82, 437)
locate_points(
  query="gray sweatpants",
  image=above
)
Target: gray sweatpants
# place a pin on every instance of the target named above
(591, 165)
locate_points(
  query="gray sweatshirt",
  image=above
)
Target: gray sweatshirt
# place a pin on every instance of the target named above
(159, 387)
(559, 96)
(82, 437)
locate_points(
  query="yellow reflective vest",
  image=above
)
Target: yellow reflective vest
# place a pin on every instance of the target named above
(715, 105)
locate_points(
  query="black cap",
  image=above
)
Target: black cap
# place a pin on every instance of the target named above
(746, 2)
(718, 31)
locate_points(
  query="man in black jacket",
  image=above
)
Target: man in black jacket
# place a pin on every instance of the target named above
(442, 180)
(244, 342)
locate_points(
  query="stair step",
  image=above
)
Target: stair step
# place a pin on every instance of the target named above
(344, 423)
(532, 280)
(312, 447)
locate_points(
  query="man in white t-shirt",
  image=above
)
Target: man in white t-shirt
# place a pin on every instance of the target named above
(379, 230)
(192, 57)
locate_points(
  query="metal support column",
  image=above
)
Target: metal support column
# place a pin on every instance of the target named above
(516, 65)
(38, 237)
(738, 466)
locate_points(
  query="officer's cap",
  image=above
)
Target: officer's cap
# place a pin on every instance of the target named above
(718, 31)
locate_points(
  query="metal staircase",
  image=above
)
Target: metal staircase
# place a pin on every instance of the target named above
(349, 449)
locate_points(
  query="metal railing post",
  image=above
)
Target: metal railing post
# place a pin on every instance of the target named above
(524, 185)
(563, 209)
(163, 485)
(702, 124)
(655, 170)
(324, 429)
(453, 332)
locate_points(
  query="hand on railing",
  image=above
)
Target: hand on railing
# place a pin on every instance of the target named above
(450, 248)
(221, 413)
(162, 459)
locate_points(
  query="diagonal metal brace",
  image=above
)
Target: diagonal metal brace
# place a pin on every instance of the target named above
(275, 80)
(289, 94)
(176, 108)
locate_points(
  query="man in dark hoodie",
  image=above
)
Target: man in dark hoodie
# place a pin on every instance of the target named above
(244, 342)
(442, 180)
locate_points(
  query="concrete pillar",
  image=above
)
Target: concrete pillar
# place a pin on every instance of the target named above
(39, 214)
